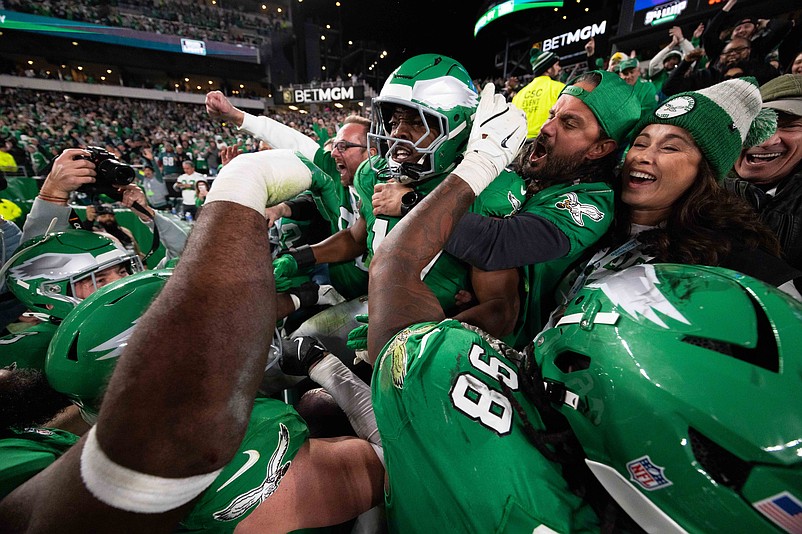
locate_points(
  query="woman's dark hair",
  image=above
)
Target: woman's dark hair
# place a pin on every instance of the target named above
(703, 226)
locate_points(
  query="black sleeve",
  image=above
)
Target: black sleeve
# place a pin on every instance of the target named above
(761, 265)
(302, 208)
(711, 36)
(493, 244)
(676, 81)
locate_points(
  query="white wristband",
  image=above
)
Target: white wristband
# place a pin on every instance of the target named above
(132, 491)
(261, 179)
(476, 171)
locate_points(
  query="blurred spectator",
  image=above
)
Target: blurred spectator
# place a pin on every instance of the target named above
(537, 98)
(769, 176)
(629, 70)
(185, 184)
(762, 34)
(667, 59)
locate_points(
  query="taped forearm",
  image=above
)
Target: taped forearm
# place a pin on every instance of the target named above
(278, 135)
(350, 393)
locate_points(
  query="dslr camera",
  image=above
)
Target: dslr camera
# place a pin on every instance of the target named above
(111, 173)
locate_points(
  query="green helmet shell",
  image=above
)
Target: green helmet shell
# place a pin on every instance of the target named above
(88, 343)
(442, 92)
(43, 272)
(683, 385)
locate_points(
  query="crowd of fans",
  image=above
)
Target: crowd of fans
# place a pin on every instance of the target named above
(46, 123)
(189, 18)
(547, 268)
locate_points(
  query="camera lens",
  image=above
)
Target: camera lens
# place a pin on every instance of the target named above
(118, 173)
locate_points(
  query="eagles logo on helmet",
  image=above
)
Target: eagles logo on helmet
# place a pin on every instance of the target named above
(43, 272)
(687, 413)
(89, 342)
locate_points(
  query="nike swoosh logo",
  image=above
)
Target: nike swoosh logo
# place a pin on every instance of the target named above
(504, 141)
(300, 342)
(253, 457)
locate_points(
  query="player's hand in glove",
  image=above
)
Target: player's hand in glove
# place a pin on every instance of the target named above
(285, 268)
(498, 132)
(300, 354)
(358, 337)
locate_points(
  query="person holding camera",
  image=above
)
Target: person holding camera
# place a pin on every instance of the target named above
(72, 170)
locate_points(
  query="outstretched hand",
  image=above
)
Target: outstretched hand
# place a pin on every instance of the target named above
(498, 133)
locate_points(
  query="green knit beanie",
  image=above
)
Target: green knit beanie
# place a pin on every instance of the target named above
(722, 120)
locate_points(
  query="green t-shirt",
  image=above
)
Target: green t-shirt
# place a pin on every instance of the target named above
(456, 453)
(337, 204)
(24, 453)
(447, 275)
(583, 212)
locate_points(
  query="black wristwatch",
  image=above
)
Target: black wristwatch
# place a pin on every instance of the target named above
(409, 201)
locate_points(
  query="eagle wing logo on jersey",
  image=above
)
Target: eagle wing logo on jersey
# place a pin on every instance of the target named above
(516, 204)
(573, 206)
(275, 472)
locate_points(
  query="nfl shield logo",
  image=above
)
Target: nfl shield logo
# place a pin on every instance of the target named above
(647, 474)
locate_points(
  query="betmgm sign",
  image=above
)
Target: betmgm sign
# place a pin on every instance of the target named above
(319, 95)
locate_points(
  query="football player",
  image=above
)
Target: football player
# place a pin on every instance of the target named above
(421, 121)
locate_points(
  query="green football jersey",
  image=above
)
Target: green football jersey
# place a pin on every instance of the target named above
(24, 453)
(27, 348)
(456, 453)
(583, 212)
(274, 435)
(446, 275)
(337, 204)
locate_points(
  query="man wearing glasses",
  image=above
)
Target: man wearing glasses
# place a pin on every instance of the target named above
(332, 195)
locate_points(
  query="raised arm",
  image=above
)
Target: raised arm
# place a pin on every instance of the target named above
(398, 296)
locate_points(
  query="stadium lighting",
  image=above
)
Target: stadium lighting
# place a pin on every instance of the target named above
(75, 43)
(278, 10)
(108, 71)
(338, 105)
(328, 26)
(586, 9)
(294, 108)
(210, 82)
(186, 79)
(80, 67)
(241, 86)
(30, 62)
(103, 78)
(500, 9)
(350, 43)
(337, 4)
(264, 6)
(199, 88)
(322, 37)
(564, 17)
(361, 104)
(323, 67)
(176, 86)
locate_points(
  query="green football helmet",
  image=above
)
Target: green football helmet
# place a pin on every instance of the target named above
(85, 349)
(443, 94)
(43, 272)
(683, 386)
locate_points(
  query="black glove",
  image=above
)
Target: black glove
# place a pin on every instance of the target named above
(300, 354)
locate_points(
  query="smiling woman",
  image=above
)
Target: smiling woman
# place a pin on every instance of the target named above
(672, 207)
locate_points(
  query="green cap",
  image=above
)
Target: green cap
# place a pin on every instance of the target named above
(628, 64)
(784, 93)
(613, 103)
